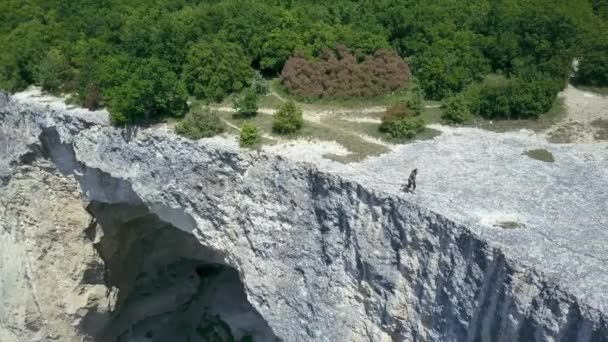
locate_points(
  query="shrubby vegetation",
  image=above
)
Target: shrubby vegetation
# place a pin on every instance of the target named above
(200, 123)
(593, 63)
(338, 74)
(259, 84)
(143, 58)
(288, 119)
(250, 135)
(401, 122)
(140, 90)
(415, 98)
(455, 109)
(523, 97)
(246, 104)
(215, 69)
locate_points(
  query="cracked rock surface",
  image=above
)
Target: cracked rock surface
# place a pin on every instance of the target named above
(320, 257)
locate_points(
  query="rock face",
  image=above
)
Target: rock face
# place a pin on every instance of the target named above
(107, 234)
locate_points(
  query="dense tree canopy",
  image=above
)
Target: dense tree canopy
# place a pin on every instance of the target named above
(209, 49)
(142, 90)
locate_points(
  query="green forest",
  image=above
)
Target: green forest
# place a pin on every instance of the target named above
(144, 59)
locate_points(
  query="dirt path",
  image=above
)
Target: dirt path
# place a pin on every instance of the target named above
(586, 113)
(316, 117)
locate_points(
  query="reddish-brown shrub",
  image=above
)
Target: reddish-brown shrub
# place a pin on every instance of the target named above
(338, 74)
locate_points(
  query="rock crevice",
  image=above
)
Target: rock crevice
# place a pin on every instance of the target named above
(316, 257)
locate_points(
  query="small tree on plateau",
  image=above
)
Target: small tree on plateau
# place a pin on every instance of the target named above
(288, 119)
(250, 135)
(200, 123)
(400, 123)
(246, 105)
(455, 109)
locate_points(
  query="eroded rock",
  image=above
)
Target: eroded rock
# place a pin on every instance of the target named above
(319, 258)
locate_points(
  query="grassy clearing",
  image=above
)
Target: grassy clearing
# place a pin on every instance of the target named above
(557, 112)
(359, 147)
(541, 155)
(430, 116)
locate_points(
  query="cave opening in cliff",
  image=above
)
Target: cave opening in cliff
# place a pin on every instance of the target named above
(170, 287)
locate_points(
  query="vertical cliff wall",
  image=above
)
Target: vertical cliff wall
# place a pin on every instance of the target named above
(318, 258)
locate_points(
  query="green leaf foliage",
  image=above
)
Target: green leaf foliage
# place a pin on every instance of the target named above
(250, 135)
(593, 63)
(415, 99)
(401, 123)
(200, 123)
(455, 109)
(143, 90)
(524, 97)
(53, 71)
(22, 51)
(100, 50)
(288, 119)
(246, 104)
(215, 69)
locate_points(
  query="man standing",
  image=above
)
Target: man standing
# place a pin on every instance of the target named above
(411, 182)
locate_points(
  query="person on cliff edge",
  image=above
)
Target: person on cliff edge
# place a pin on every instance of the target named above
(411, 182)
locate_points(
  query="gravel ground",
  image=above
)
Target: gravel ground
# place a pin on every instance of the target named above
(583, 108)
(550, 215)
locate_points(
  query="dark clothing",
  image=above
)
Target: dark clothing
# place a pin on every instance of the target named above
(411, 181)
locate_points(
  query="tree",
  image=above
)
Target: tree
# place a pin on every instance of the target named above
(88, 58)
(415, 99)
(53, 71)
(523, 97)
(200, 123)
(215, 69)
(259, 84)
(281, 43)
(399, 122)
(593, 64)
(449, 65)
(250, 136)
(288, 119)
(455, 109)
(141, 90)
(246, 104)
(22, 49)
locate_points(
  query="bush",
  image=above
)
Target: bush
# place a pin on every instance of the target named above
(400, 122)
(246, 104)
(415, 99)
(519, 97)
(593, 65)
(339, 75)
(259, 84)
(200, 123)
(288, 119)
(455, 110)
(53, 71)
(250, 135)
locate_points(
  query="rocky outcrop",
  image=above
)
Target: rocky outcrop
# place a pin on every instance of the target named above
(318, 258)
(51, 277)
